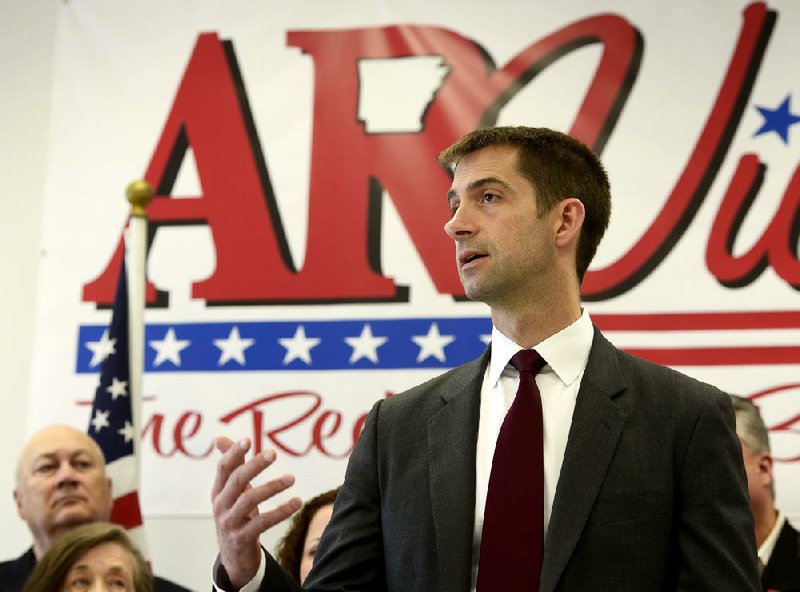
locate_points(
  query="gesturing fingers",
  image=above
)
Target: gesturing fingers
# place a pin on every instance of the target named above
(261, 522)
(222, 443)
(232, 457)
(235, 506)
(245, 505)
(234, 500)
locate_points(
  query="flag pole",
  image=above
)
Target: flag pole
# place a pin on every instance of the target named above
(139, 194)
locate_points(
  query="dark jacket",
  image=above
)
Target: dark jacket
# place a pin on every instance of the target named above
(783, 570)
(652, 494)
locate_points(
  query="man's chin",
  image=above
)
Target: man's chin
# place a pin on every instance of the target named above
(475, 291)
(71, 517)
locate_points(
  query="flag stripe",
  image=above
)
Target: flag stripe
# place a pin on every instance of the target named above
(126, 512)
(111, 422)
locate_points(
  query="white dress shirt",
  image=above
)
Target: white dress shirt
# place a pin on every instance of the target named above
(766, 548)
(566, 354)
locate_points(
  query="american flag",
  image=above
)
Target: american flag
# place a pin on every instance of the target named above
(111, 423)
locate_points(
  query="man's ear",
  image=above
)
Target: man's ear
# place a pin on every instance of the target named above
(18, 503)
(570, 220)
(765, 468)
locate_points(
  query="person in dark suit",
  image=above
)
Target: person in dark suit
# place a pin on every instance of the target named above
(778, 542)
(61, 484)
(644, 487)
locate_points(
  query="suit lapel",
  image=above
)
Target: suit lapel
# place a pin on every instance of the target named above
(596, 426)
(452, 438)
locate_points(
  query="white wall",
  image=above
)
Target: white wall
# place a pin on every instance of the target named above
(182, 549)
(27, 30)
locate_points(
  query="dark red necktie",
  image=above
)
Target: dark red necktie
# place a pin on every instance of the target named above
(512, 541)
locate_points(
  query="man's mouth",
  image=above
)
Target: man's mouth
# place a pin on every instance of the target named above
(69, 500)
(470, 256)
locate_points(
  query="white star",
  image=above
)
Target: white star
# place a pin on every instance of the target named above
(233, 347)
(126, 432)
(365, 345)
(486, 338)
(118, 388)
(101, 349)
(432, 344)
(169, 348)
(298, 346)
(100, 420)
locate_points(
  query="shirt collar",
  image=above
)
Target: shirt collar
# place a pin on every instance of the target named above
(566, 352)
(766, 548)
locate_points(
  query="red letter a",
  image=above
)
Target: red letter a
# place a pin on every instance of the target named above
(211, 114)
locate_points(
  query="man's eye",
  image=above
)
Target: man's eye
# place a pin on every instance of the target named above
(489, 197)
(119, 584)
(45, 468)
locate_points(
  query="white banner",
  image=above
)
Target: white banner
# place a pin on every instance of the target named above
(298, 264)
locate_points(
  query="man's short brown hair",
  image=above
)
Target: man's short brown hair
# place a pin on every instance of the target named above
(558, 167)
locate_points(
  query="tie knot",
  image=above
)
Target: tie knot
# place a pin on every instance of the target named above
(527, 360)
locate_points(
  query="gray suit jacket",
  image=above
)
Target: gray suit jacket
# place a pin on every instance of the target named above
(652, 493)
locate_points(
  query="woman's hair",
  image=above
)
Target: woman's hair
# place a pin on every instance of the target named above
(290, 548)
(51, 570)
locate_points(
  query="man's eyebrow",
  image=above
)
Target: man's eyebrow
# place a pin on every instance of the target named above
(52, 455)
(477, 184)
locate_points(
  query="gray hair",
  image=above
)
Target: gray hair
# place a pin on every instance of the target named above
(751, 429)
(750, 426)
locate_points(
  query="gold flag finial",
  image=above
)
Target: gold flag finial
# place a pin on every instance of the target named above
(139, 195)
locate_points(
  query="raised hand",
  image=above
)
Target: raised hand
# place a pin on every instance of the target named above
(235, 507)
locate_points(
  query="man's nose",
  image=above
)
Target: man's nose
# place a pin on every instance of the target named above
(66, 474)
(460, 225)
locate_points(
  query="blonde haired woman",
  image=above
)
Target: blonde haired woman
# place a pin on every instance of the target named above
(94, 557)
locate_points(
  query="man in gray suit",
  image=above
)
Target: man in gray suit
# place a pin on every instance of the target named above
(644, 487)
